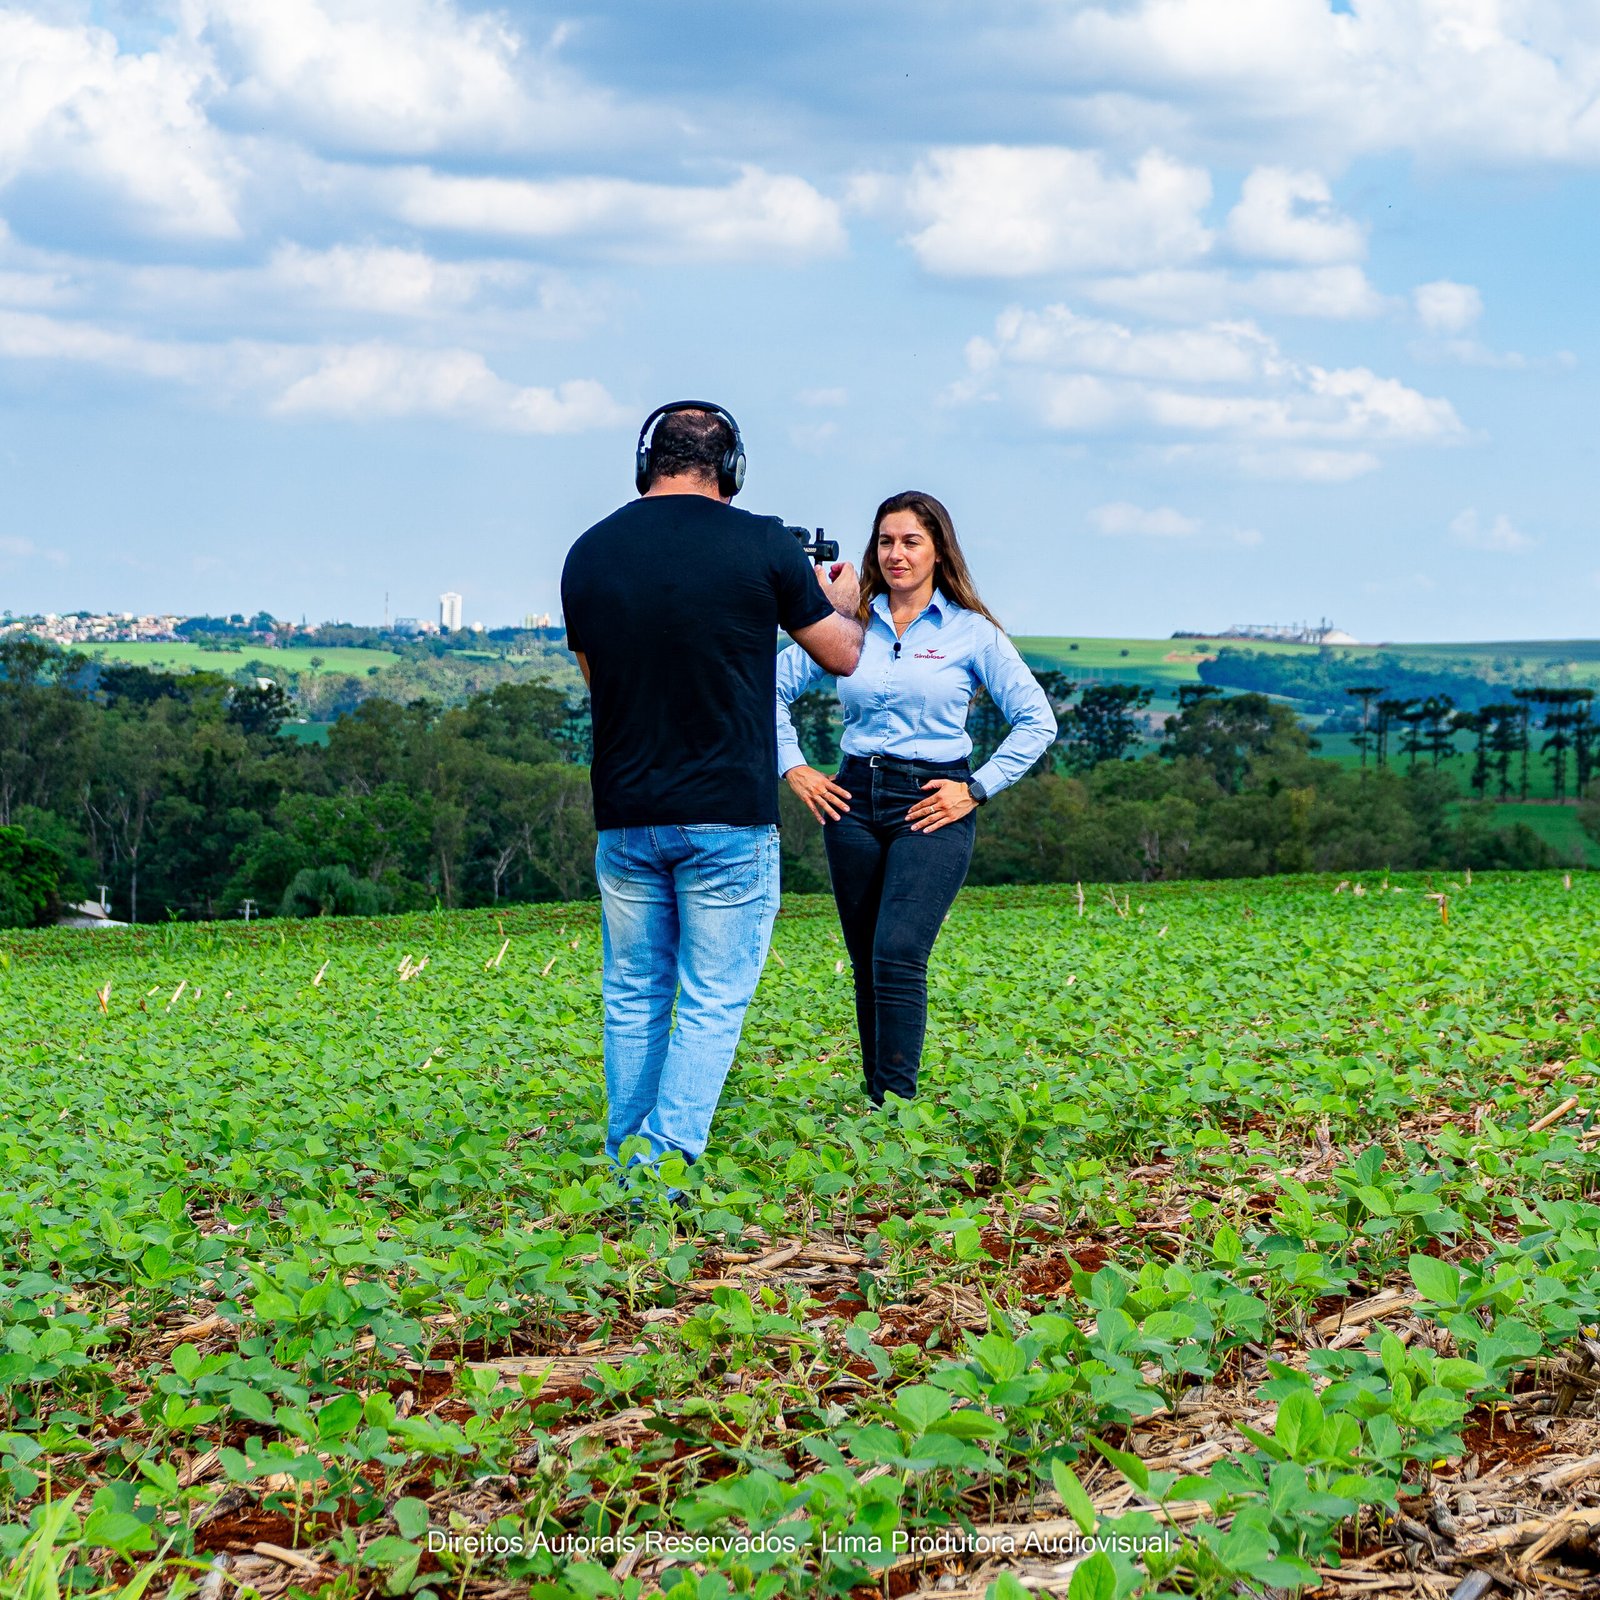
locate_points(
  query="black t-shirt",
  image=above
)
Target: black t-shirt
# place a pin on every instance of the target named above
(676, 600)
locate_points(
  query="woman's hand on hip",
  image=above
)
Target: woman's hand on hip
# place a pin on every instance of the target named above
(824, 798)
(950, 801)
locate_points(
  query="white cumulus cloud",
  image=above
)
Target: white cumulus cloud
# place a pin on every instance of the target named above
(385, 380)
(32, 336)
(1223, 352)
(14, 550)
(375, 379)
(1290, 216)
(1501, 80)
(1183, 294)
(391, 76)
(1227, 384)
(758, 214)
(1449, 311)
(131, 129)
(1501, 536)
(1121, 517)
(31, 289)
(1446, 307)
(1010, 211)
(395, 281)
(1305, 465)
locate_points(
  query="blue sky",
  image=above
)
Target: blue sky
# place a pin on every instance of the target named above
(1193, 311)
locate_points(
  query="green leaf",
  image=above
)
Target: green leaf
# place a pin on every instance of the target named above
(271, 1305)
(1299, 1424)
(1244, 1545)
(162, 1474)
(251, 1404)
(1005, 1587)
(1385, 1437)
(1393, 1354)
(410, 1517)
(967, 1241)
(1095, 1579)
(388, 1551)
(1129, 1465)
(117, 1530)
(1436, 1280)
(967, 1424)
(919, 1405)
(1073, 1495)
(1268, 1446)
(1452, 1372)
(339, 1416)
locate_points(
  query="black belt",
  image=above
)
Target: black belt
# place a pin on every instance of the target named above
(913, 769)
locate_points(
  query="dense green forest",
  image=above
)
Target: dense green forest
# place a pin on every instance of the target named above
(178, 792)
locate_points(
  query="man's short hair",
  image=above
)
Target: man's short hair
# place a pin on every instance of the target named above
(689, 444)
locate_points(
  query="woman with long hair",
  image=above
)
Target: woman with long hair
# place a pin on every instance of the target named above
(899, 817)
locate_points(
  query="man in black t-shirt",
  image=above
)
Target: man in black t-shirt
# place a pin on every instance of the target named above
(672, 607)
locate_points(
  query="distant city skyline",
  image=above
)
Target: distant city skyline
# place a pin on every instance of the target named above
(1190, 310)
(79, 625)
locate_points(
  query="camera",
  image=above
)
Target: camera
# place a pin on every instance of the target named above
(814, 544)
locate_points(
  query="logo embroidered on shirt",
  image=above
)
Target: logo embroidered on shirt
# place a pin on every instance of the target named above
(929, 655)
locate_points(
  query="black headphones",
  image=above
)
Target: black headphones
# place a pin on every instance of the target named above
(730, 470)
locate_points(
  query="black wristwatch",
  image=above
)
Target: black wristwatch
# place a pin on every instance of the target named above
(979, 794)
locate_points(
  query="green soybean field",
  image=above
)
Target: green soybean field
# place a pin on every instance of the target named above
(1244, 1239)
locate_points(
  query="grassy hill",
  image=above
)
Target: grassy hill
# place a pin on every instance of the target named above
(1163, 664)
(1581, 657)
(1150, 660)
(1471, 673)
(183, 657)
(1175, 661)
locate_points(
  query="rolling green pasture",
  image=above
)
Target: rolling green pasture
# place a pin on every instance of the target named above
(1558, 826)
(1168, 660)
(1580, 656)
(1166, 663)
(1237, 1225)
(1158, 662)
(183, 657)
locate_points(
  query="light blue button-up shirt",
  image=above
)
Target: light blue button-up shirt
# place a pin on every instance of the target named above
(908, 697)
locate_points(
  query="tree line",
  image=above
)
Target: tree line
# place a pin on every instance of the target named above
(1234, 789)
(1502, 735)
(180, 794)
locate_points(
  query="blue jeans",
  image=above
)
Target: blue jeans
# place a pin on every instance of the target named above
(686, 911)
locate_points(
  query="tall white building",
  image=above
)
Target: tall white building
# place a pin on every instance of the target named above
(449, 611)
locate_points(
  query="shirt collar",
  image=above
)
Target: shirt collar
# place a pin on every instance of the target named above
(935, 609)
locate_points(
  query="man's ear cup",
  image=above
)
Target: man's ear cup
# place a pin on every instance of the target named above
(730, 470)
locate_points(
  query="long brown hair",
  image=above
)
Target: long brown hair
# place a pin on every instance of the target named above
(950, 574)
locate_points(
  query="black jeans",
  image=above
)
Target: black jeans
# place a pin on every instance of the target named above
(893, 888)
